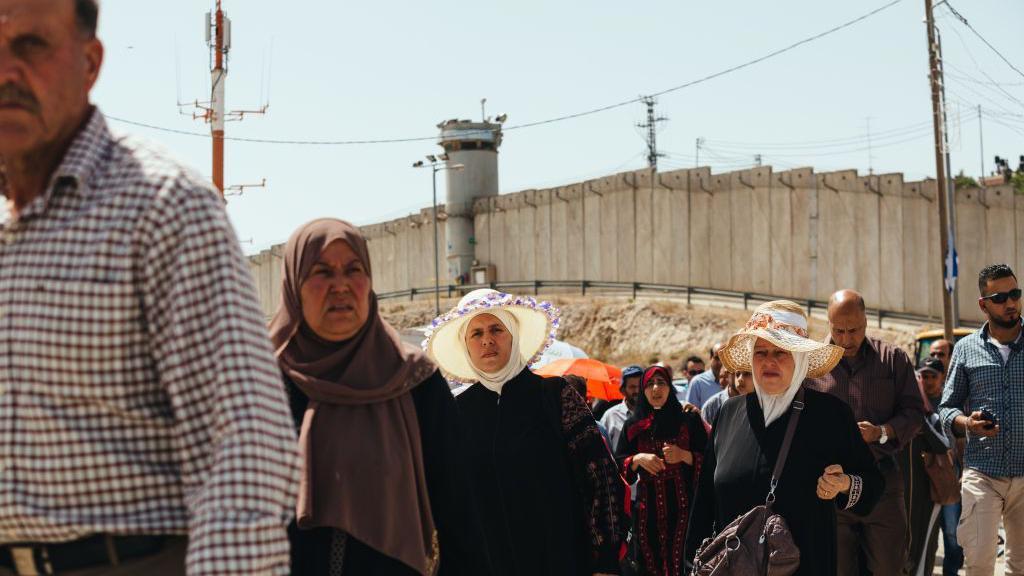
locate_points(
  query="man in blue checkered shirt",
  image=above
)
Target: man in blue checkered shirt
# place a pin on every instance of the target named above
(984, 399)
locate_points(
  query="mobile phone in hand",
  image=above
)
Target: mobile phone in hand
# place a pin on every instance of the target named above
(990, 417)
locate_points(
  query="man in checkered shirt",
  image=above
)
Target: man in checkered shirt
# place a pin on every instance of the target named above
(144, 428)
(984, 399)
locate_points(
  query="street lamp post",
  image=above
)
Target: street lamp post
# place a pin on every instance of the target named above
(436, 164)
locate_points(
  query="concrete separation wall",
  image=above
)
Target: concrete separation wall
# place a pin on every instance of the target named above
(795, 233)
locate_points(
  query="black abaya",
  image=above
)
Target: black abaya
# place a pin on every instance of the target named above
(738, 467)
(548, 491)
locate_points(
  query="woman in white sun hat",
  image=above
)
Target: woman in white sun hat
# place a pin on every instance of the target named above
(548, 491)
(828, 465)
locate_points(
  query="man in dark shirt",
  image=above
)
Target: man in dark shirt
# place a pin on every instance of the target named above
(877, 380)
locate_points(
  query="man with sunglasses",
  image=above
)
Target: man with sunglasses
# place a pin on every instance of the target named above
(705, 384)
(984, 399)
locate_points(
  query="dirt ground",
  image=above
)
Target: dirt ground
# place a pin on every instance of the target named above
(620, 330)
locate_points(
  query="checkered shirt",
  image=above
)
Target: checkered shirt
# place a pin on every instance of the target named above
(138, 390)
(979, 380)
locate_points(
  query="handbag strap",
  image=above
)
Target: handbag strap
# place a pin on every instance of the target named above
(798, 407)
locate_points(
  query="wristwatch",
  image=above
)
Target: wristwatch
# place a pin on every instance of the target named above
(884, 437)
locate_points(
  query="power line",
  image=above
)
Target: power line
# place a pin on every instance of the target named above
(876, 136)
(575, 115)
(980, 37)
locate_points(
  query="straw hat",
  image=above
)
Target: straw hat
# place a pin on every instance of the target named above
(538, 323)
(784, 324)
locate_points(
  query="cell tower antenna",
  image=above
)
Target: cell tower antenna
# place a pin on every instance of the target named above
(212, 111)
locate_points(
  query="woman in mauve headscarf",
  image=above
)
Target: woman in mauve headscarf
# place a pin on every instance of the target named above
(662, 446)
(383, 489)
(549, 494)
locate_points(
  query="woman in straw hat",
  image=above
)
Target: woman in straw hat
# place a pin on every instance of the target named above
(548, 491)
(661, 446)
(383, 482)
(828, 466)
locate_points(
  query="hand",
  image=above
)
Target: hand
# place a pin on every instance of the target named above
(869, 432)
(976, 425)
(649, 462)
(690, 408)
(833, 482)
(674, 454)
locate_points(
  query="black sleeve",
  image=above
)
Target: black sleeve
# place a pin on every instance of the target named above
(459, 529)
(595, 475)
(858, 461)
(297, 401)
(698, 433)
(702, 513)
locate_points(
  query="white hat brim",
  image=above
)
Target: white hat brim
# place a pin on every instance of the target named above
(737, 354)
(538, 324)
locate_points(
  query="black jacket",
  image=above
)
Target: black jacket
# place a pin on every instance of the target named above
(738, 467)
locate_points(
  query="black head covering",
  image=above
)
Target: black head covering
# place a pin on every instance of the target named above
(666, 420)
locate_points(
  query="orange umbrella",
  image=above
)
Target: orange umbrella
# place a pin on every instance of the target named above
(602, 379)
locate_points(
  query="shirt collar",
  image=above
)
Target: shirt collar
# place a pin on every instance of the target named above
(78, 166)
(868, 346)
(987, 337)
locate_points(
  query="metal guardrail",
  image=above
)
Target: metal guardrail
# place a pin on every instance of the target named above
(637, 288)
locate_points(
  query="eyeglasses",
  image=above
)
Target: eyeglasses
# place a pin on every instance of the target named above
(1001, 297)
(937, 354)
(694, 372)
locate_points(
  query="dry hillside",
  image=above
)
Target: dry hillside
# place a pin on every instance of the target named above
(622, 330)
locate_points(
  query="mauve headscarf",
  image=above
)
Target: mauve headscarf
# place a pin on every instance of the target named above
(360, 441)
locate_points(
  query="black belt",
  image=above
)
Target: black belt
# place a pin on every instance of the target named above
(97, 550)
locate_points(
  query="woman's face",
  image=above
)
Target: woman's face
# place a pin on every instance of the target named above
(489, 343)
(335, 296)
(657, 391)
(773, 367)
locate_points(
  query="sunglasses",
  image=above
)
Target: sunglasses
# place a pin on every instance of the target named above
(694, 372)
(1002, 297)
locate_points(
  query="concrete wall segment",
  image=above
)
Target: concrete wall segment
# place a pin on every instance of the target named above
(971, 239)
(792, 234)
(701, 203)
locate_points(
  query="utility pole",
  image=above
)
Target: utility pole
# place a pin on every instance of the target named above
(935, 75)
(952, 259)
(437, 163)
(700, 142)
(218, 38)
(652, 129)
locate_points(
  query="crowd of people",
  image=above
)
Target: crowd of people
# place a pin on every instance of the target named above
(151, 423)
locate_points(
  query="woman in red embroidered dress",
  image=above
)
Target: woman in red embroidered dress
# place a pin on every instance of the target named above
(662, 446)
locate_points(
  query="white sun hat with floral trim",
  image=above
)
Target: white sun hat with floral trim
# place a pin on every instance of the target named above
(538, 323)
(784, 324)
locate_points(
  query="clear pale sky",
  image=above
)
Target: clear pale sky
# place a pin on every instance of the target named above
(379, 70)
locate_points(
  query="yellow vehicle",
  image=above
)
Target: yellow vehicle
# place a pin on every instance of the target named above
(924, 341)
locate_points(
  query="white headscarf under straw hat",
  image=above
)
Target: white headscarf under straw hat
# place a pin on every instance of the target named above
(532, 324)
(493, 381)
(784, 324)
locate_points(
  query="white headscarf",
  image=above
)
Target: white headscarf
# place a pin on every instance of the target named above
(775, 405)
(495, 380)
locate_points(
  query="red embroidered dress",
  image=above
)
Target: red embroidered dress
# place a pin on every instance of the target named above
(663, 500)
